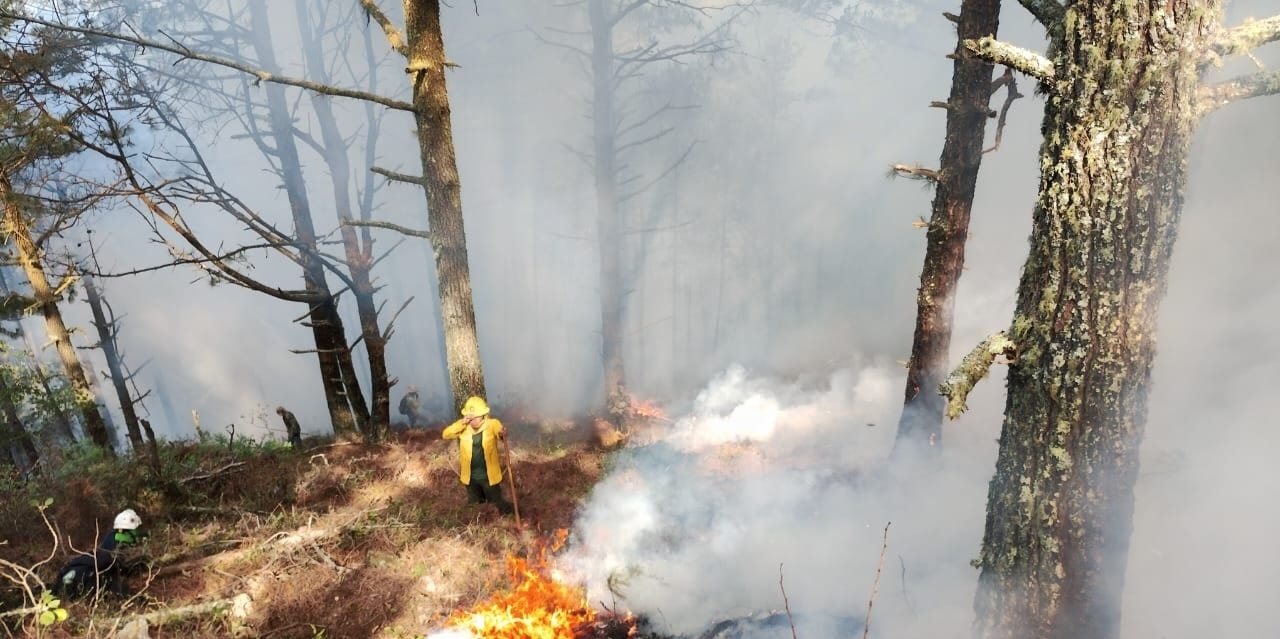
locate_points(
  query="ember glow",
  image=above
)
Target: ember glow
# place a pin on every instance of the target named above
(539, 606)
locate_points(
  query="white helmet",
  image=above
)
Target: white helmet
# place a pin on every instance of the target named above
(127, 520)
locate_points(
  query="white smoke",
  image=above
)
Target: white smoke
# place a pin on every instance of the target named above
(766, 481)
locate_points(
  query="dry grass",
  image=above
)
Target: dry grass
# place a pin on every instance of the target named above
(345, 540)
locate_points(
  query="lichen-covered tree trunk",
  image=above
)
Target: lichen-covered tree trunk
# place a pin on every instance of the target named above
(107, 340)
(359, 255)
(345, 401)
(608, 228)
(18, 230)
(1118, 123)
(920, 425)
(444, 197)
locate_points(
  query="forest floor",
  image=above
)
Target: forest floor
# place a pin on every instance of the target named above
(332, 540)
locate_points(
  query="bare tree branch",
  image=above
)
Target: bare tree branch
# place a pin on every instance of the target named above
(674, 165)
(1006, 80)
(1216, 96)
(972, 369)
(394, 38)
(391, 323)
(645, 140)
(1024, 60)
(187, 53)
(1245, 38)
(396, 176)
(1046, 12)
(389, 226)
(561, 45)
(916, 173)
(624, 11)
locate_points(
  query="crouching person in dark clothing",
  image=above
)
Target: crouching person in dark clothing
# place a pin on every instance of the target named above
(480, 471)
(107, 567)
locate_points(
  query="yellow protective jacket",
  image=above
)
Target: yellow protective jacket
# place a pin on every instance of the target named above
(491, 429)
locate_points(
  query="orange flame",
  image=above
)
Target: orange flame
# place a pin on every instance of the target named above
(645, 408)
(538, 607)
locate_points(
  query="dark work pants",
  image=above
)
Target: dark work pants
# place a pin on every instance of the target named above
(480, 492)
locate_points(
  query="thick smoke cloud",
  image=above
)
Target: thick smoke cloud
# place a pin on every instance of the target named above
(765, 480)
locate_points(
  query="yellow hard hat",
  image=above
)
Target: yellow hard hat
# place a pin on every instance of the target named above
(475, 407)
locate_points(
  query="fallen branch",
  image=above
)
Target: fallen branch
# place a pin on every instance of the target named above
(238, 607)
(213, 473)
(973, 368)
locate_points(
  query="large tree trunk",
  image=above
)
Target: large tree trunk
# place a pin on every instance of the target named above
(107, 339)
(342, 389)
(1118, 126)
(359, 255)
(444, 197)
(920, 425)
(16, 227)
(608, 227)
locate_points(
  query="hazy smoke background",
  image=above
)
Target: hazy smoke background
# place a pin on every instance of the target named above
(796, 132)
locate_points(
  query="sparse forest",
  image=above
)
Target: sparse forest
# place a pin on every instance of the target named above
(591, 319)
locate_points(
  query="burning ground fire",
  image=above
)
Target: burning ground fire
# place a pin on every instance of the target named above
(539, 606)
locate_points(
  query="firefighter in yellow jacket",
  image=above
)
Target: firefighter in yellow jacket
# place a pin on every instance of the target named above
(482, 473)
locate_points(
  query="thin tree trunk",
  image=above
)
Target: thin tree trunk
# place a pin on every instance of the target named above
(920, 424)
(107, 339)
(444, 197)
(16, 226)
(608, 227)
(1118, 126)
(100, 401)
(359, 257)
(347, 412)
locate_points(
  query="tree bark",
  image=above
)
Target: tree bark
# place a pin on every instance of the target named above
(608, 226)
(1118, 124)
(29, 257)
(107, 339)
(14, 433)
(920, 425)
(345, 401)
(60, 419)
(426, 68)
(359, 255)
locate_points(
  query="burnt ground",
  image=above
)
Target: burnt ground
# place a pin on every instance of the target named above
(333, 540)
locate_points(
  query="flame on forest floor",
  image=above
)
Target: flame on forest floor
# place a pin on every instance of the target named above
(646, 408)
(539, 606)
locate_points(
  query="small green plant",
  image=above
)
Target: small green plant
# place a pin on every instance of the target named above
(51, 610)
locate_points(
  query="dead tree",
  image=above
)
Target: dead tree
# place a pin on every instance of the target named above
(107, 326)
(920, 424)
(615, 135)
(346, 400)
(357, 246)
